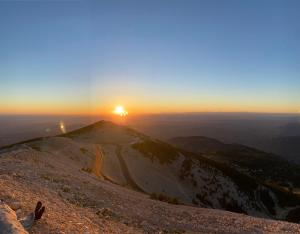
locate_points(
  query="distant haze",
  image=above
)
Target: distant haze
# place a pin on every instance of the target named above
(244, 128)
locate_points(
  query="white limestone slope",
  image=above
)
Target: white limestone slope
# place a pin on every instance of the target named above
(104, 182)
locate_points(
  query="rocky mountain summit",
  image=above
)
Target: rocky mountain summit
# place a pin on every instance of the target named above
(106, 178)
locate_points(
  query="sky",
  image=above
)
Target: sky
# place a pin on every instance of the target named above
(159, 56)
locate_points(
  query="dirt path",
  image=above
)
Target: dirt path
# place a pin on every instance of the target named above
(96, 168)
(126, 173)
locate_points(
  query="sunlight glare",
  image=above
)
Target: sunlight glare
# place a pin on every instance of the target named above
(119, 110)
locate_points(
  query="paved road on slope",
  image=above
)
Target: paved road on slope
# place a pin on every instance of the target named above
(126, 173)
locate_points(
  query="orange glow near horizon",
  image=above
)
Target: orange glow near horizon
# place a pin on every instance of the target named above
(140, 106)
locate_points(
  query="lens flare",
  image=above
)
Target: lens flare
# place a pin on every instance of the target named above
(62, 127)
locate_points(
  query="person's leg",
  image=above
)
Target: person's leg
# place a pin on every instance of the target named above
(9, 223)
(28, 221)
(39, 210)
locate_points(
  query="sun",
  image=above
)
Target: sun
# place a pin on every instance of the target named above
(120, 110)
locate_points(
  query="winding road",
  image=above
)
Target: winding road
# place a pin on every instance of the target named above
(126, 173)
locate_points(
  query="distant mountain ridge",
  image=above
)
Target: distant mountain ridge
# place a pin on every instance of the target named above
(287, 146)
(267, 167)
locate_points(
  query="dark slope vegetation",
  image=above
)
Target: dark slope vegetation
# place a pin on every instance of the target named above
(266, 167)
(265, 196)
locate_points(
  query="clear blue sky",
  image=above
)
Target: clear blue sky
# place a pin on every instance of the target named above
(161, 55)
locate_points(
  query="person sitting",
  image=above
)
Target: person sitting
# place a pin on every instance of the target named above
(11, 224)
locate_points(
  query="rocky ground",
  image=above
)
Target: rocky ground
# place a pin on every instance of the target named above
(79, 202)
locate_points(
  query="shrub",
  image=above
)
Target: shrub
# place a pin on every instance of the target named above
(164, 198)
(36, 147)
(83, 150)
(86, 169)
(157, 150)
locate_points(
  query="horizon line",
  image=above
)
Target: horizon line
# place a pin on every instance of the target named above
(150, 113)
